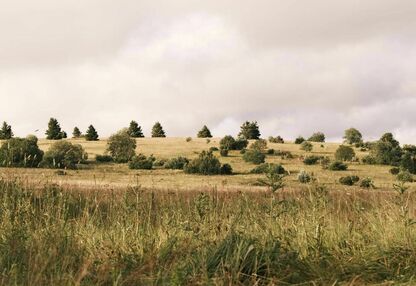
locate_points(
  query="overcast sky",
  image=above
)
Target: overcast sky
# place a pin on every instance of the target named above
(294, 66)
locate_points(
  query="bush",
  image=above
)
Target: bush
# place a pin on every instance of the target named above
(205, 164)
(135, 130)
(344, 153)
(188, 139)
(140, 161)
(277, 139)
(250, 130)
(243, 151)
(337, 166)
(317, 137)
(240, 144)
(325, 161)
(304, 177)
(394, 171)
(268, 167)
(386, 151)
(19, 152)
(226, 169)
(284, 154)
(121, 147)
(311, 160)
(306, 146)
(76, 133)
(157, 130)
(367, 183)
(254, 156)
(176, 163)
(212, 149)
(270, 152)
(368, 159)
(405, 176)
(160, 162)
(228, 142)
(204, 132)
(103, 158)
(224, 152)
(349, 180)
(299, 140)
(259, 144)
(64, 155)
(353, 136)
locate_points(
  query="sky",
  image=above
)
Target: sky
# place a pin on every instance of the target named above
(294, 66)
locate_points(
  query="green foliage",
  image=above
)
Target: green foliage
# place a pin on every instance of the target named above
(394, 171)
(76, 133)
(19, 152)
(54, 131)
(205, 164)
(299, 140)
(176, 163)
(338, 166)
(135, 130)
(103, 158)
(229, 143)
(157, 130)
(140, 161)
(226, 169)
(249, 130)
(213, 149)
(386, 151)
(368, 159)
(349, 180)
(353, 136)
(367, 183)
(408, 161)
(268, 167)
(121, 147)
(259, 144)
(344, 153)
(204, 133)
(317, 137)
(224, 152)
(272, 180)
(405, 176)
(306, 146)
(188, 139)
(91, 134)
(304, 177)
(277, 139)
(311, 160)
(6, 131)
(254, 156)
(64, 155)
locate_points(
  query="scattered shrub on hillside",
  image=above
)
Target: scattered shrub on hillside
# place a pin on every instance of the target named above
(140, 161)
(268, 167)
(306, 146)
(386, 151)
(157, 130)
(353, 136)
(325, 161)
(229, 143)
(405, 176)
(240, 144)
(21, 152)
(272, 180)
(176, 163)
(254, 156)
(311, 160)
(277, 139)
(349, 180)
(208, 141)
(270, 151)
(317, 137)
(299, 140)
(284, 154)
(213, 149)
(188, 139)
(6, 131)
(160, 162)
(259, 144)
(394, 171)
(204, 132)
(408, 160)
(205, 164)
(103, 158)
(64, 155)
(304, 177)
(249, 130)
(135, 130)
(121, 147)
(54, 131)
(338, 166)
(243, 151)
(224, 152)
(344, 153)
(226, 169)
(367, 183)
(91, 134)
(368, 159)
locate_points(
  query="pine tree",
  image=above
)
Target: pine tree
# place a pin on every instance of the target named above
(135, 130)
(54, 131)
(157, 130)
(250, 130)
(204, 132)
(76, 133)
(6, 131)
(91, 134)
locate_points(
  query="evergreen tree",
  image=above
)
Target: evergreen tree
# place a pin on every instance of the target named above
(204, 132)
(91, 134)
(6, 131)
(54, 131)
(135, 130)
(76, 133)
(157, 130)
(250, 130)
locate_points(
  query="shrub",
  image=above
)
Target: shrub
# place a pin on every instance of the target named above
(140, 161)
(386, 151)
(205, 164)
(103, 158)
(353, 136)
(394, 171)
(19, 152)
(259, 144)
(267, 167)
(76, 133)
(204, 132)
(6, 131)
(208, 140)
(325, 161)
(270, 152)
(304, 177)
(91, 134)
(54, 131)
(224, 152)
(250, 130)
(337, 166)
(306, 146)
(176, 163)
(212, 149)
(240, 144)
(367, 183)
(121, 147)
(284, 154)
(408, 161)
(157, 130)
(188, 139)
(254, 156)
(317, 137)
(349, 180)
(135, 130)
(64, 155)
(277, 139)
(160, 162)
(368, 159)
(299, 140)
(344, 153)
(226, 169)
(243, 151)
(311, 160)
(228, 142)
(405, 176)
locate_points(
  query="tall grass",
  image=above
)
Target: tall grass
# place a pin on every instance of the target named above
(52, 236)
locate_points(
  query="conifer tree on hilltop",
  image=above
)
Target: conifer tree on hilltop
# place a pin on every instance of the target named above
(6, 131)
(135, 130)
(250, 130)
(76, 133)
(157, 130)
(54, 131)
(204, 132)
(91, 134)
